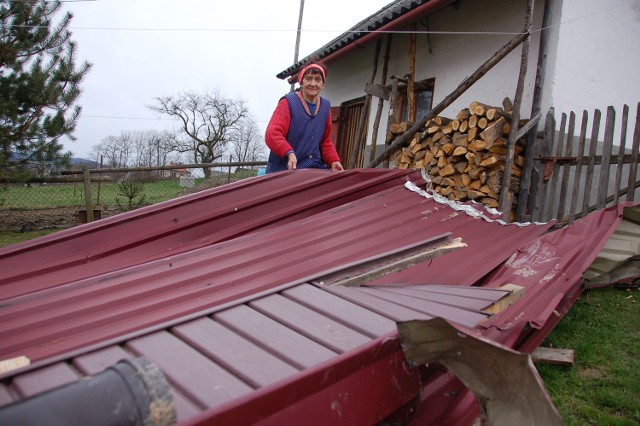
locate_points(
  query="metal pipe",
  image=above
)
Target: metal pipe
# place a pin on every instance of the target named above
(132, 392)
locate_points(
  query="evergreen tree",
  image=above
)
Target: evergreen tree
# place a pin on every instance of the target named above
(39, 85)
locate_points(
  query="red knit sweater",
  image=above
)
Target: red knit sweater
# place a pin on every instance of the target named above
(277, 130)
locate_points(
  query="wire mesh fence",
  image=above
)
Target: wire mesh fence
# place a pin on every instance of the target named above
(59, 203)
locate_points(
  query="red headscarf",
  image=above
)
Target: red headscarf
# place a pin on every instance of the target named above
(303, 70)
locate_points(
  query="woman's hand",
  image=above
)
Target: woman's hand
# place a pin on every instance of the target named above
(292, 161)
(336, 165)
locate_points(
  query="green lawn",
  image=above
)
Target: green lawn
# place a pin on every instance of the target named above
(603, 385)
(72, 194)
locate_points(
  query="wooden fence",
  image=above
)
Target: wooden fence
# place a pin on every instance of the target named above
(575, 173)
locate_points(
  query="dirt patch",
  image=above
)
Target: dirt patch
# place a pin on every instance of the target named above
(31, 220)
(592, 373)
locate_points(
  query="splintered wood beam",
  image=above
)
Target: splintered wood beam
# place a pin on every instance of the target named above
(462, 87)
(367, 270)
(516, 293)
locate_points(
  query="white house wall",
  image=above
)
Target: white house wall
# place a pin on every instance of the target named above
(597, 58)
(449, 58)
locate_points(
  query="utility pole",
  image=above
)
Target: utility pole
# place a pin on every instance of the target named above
(295, 54)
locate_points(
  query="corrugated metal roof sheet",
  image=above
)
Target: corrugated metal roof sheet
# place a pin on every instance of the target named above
(211, 313)
(130, 298)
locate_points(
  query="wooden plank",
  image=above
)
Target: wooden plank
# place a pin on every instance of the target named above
(362, 320)
(203, 381)
(578, 175)
(566, 168)
(377, 90)
(595, 129)
(554, 181)
(555, 356)
(240, 356)
(11, 364)
(607, 147)
(309, 323)
(537, 213)
(516, 293)
(634, 156)
(278, 339)
(621, 152)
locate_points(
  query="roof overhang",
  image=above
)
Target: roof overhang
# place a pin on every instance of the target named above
(392, 17)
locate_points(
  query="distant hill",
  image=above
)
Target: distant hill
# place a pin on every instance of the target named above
(80, 162)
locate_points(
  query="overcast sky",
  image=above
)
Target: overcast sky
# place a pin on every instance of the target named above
(142, 49)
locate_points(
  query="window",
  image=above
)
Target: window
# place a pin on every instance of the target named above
(423, 91)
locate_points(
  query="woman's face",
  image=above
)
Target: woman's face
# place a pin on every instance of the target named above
(312, 85)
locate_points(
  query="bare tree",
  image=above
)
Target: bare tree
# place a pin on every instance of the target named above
(137, 148)
(114, 149)
(248, 144)
(208, 123)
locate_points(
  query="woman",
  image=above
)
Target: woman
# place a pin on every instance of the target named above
(299, 132)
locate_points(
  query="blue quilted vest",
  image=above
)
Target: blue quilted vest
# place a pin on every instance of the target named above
(304, 136)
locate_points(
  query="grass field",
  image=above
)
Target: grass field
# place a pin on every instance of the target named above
(603, 385)
(72, 194)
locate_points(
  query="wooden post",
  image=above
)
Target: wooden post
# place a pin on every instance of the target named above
(360, 141)
(595, 129)
(623, 141)
(578, 174)
(411, 94)
(566, 168)
(528, 178)
(633, 166)
(607, 147)
(462, 87)
(88, 204)
(505, 208)
(376, 123)
(390, 118)
(537, 212)
(554, 180)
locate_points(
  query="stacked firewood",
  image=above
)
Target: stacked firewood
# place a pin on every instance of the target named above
(464, 157)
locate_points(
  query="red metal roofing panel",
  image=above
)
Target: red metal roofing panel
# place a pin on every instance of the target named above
(105, 306)
(296, 349)
(184, 224)
(158, 309)
(245, 359)
(228, 355)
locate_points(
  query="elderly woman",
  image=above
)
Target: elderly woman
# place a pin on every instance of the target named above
(299, 132)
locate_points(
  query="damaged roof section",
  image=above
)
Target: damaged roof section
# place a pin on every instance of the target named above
(247, 324)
